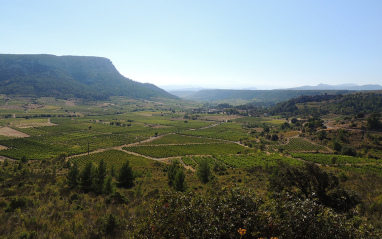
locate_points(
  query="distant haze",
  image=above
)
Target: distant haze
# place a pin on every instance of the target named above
(349, 86)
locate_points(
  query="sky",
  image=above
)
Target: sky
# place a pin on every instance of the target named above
(209, 44)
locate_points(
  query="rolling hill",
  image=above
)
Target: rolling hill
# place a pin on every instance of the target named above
(349, 104)
(69, 77)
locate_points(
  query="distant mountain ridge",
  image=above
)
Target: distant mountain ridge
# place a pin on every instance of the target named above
(338, 87)
(261, 97)
(69, 77)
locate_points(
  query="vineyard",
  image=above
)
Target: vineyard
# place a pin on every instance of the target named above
(52, 146)
(113, 158)
(189, 161)
(302, 145)
(77, 129)
(365, 168)
(193, 161)
(165, 151)
(181, 139)
(259, 121)
(226, 131)
(259, 159)
(144, 169)
(333, 159)
(348, 163)
(78, 135)
(50, 101)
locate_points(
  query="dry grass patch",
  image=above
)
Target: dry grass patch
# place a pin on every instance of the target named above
(220, 117)
(69, 103)
(29, 123)
(6, 131)
(291, 134)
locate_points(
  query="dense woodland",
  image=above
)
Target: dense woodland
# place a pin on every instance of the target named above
(349, 104)
(263, 98)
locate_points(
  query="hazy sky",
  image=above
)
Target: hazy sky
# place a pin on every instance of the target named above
(220, 44)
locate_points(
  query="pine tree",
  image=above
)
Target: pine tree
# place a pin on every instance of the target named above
(171, 172)
(87, 176)
(126, 176)
(100, 176)
(180, 181)
(24, 159)
(72, 176)
(109, 186)
(113, 172)
(204, 171)
(20, 166)
(6, 162)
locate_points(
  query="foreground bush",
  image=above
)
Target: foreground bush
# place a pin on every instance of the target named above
(312, 182)
(220, 214)
(292, 217)
(210, 215)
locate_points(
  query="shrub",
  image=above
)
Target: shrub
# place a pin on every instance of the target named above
(291, 217)
(347, 150)
(336, 145)
(275, 137)
(225, 213)
(217, 214)
(111, 224)
(18, 202)
(312, 182)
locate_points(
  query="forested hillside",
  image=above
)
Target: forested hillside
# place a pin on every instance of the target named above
(69, 77)
(349, 104)
(260, 97)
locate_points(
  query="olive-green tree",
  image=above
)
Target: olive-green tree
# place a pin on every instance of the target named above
(310, 181)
